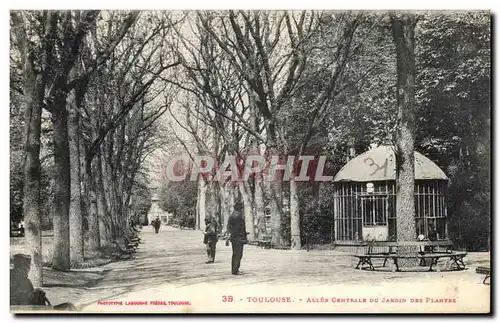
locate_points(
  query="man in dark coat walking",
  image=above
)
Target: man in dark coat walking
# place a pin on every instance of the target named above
(156, 224)
(237, 234)
(210, 239)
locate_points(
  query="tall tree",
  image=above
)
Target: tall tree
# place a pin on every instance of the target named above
(74, 101)
(403, 30)
(35, 76)
(73, 29)
(95, 50)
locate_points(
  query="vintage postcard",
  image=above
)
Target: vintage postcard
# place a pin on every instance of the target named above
(244, 161)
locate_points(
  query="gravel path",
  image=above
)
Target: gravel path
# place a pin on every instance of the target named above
(170, 267)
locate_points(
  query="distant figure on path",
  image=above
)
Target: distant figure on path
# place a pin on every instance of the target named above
(156, 224)
(237, 234)
(210, 239)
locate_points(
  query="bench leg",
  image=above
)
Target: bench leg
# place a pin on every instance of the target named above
(385, 261)
(395, 260)
(461, 262)
(370, 264)
(457, 262)
(363, 261)
(434, 261)
(422, 260)
(486, 278)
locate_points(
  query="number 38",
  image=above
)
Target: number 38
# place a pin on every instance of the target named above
(227, 298)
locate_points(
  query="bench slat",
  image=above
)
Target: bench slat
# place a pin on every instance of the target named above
(441, 255)
(430, 255)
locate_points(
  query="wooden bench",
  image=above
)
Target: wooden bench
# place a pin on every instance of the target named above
(425, 246)
(485, 271)
(265, 242)
(131, 243)
(132, 236)
(455, 257)
(122, 253)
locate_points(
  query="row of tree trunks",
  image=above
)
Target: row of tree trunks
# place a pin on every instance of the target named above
(221, 201)
(253, 208)
(63, 69)
(62, 97)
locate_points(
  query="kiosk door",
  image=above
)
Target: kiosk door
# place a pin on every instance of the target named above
(374, 212)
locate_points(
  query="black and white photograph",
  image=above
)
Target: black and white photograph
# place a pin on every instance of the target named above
(250, 161)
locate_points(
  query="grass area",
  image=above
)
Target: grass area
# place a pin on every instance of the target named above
(66, 285)
(19, 245)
